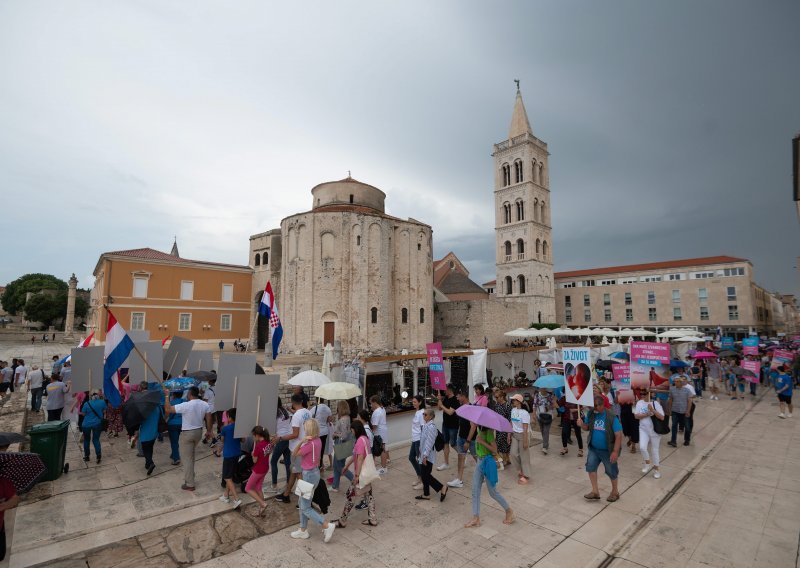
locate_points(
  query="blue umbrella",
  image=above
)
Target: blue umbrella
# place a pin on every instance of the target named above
(549, 381)
(620, 355)
(678, 364)
(180, 383)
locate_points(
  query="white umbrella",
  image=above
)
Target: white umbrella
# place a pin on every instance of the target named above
(688, 339)
(673, 333)
(309, 379)
(639, 332)
(337, 391)
(519, 332)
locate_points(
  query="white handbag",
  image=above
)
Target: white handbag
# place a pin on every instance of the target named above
(304, 489)
(368, 472)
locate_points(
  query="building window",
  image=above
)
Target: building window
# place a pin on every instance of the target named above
(587, 315)
(651, 297)
(702, 295)
(187, 290)
(607, 315)
(538, 247)
(358, 242)
(676, 314)
(702, 275)
(507, 248)
(651, 314)
(509, 285)
(404, 315)
(568, 285)
(628, 299)
(137, 320)
(629, 281)
(733, 272)
(265, 259)
(587, 283)
(628, 314)
(506, 213)
(258, 260)
(419, 245)
(731, 293)
(703, 313)
(544, 250)
(422, 315)
(506, 175)
(568, 315)
(521, 284)
(351, 198)
(184, 322)
(227, 292)
(225, 322)
(607, 282)
(674, 277)
(139, 287)
(520, 210)
(520, 249)
(606, 299)
(374, 315)
(733, 312)
(587, 301)
(650, 279)
(567, 301)
(676, 296)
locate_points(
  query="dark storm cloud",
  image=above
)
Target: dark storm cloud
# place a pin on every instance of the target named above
(669, 124)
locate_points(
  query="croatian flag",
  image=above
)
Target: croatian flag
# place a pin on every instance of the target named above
(269, 309)
(118, 347)
(81, 345)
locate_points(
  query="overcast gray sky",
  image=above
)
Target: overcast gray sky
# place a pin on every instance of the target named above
(669, 124)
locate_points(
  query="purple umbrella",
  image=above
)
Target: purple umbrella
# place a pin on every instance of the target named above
(485, 417)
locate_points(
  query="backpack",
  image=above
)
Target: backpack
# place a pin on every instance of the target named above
(377, 445)
(438, 444)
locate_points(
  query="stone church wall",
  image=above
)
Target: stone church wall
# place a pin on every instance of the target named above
(466, 323)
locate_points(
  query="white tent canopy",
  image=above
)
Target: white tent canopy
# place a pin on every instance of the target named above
(688, 339)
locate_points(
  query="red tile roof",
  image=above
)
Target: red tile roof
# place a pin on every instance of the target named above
(651, 266)
(152, 254)
(490, 283)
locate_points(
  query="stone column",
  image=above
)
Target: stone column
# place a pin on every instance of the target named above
(69, 323)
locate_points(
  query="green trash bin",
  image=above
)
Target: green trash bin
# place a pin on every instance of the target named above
(49, 440)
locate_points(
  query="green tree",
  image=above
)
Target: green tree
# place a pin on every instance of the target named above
(46, 308)
(13, 299)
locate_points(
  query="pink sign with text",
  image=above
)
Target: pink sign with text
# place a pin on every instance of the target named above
(436, 366)
(781, 357)
(754, 367)
(649, 363)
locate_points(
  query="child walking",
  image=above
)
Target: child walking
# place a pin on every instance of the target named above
(231, 452)
(261, 455)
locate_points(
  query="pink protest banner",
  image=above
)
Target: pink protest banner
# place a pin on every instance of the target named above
(755, 368)
(750, 345)
(649, 363)
(781, 357)
(622, 382)
(436, 366)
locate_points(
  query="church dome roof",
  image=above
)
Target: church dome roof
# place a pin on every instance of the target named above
(348, 191)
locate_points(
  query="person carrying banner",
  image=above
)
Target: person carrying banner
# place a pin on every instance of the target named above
(605, 441)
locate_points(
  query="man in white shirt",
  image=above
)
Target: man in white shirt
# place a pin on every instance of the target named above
(380, 428)
(193, 414)
(34, 383)
(21, 374)
(298, 434)
(6, 378)
(322, 413)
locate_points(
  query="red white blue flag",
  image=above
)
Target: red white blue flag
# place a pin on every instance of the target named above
(118, 347)
(269, 309)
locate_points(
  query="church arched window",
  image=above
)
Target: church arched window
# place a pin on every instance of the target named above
(507, 248)
(541, 174)
(520, 249)
(542, 217)
(520, 210)
(544, 250)
(404, 315)
(506, 169)
(374, 315)
(265, 259)
(422, 315)
(538, 247)
(521, 284)
(509, 285)
(536, 210)
(535, 172)
(506, 212)
(518, 172)
(258, 260)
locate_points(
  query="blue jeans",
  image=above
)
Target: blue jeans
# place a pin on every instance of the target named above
(36, 399)
(450, 435)
(413, 457)
(281, 450)
(477, 481)
(595, 457)
(680, 419)
(698, 386)
(92, 432)
(174, 439)
(306, 510)
(338, 467)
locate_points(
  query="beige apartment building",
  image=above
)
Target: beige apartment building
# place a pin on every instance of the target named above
(709, 293)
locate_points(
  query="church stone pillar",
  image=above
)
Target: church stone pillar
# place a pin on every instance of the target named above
(69, 324)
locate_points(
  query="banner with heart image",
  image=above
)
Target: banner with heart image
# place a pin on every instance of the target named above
(578, 375)
(649, 364)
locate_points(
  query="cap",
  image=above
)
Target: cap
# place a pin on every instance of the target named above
(517, 397)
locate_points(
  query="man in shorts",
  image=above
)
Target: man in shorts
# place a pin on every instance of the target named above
(605, 441)
(299, 417)
(448, 406)
(783, 388)
(465, 443)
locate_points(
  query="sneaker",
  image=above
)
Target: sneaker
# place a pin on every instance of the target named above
(646, 469)
(87, 458)
(334, 489)
(544, 451)
(657, 474)
(443, 467)
(283, 498)
(382, 471)
(187, 487)
(176, 462)
(361, 506)
(686, 443)
(237, 503)
(781, 415)
(299, 534)
(224, 499)
(271, 489)
(417, 485)
(151, 468)
(455, 483)
(328, 533)
(788, 415)
(673, 444)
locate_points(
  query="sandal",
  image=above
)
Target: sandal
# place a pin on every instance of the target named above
(522, 480)
(509, 518)
(591, 496)
(580, 453)
(443, 495)
(339, 524)
(369, 523)
(472, 523)
(564, 452)
(613, 497)
(422, 498)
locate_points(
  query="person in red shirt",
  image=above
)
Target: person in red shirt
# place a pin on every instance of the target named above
(8, 500)
(261, 454)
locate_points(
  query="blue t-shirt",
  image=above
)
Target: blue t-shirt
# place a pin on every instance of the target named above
(148, 431)
(231, 447)
(599, 431)
(176, 419)
(89, 418)
(781, 381)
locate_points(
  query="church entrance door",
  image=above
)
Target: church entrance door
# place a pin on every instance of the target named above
(329, 333)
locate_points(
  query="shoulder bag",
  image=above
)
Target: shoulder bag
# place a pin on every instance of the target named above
(660, 427)
(368, 472)
(103, 421)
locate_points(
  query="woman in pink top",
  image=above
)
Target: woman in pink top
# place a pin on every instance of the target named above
(360, 453)
(480, 396)
(309, 451)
